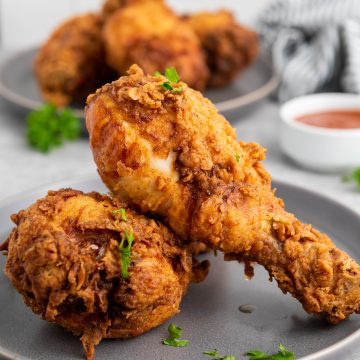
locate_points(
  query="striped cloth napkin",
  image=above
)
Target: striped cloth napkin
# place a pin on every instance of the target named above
(315, 45)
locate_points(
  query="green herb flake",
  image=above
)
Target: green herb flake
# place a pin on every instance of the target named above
(121, 212)
(353, 177)
(211, 352)
(237, 158)
(174, 331)
(173, 78)
(167, 86)
(69, 124)
(215, 355)
(282, 354)
(125, 253)
(178, 90)
(172, 75)
(258, 355)
(173, 340)
(48, 127)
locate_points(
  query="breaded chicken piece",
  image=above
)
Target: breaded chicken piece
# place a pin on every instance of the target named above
(229, 47)
(150, 34)
(173, 155)
(71, 65)
(110, 6)
(64, 259)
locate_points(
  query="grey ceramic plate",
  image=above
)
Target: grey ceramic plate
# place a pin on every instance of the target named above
(209, 313)
(18, 85)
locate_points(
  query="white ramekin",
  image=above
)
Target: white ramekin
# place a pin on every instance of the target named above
(321, 149)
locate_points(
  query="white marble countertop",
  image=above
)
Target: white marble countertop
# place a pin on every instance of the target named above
(22, 168)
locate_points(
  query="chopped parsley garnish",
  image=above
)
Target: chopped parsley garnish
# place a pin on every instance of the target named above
(172, 75)
(121, 212)
(282, 354)
(174, 334)
(49, 127)
(167, 86)
(178, 90)
(353, 177)
(215, 355)
(125, 253)
(173, 78)
(237, 158)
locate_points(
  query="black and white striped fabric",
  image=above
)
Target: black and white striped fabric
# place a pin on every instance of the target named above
(315, 45)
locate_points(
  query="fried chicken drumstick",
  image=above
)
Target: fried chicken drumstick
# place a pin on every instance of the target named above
(70, 65)
(171, 154)
(229, 47)
(151, 34)
(64, 258)
(110, 6)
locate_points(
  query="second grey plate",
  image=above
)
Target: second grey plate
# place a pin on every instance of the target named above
(209, 313)
(18, 84)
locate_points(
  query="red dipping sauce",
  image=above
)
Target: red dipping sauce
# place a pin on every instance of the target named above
(333, 119)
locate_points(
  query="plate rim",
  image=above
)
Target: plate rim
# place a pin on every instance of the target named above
(318, 355)
(15, 98)
(222, 106)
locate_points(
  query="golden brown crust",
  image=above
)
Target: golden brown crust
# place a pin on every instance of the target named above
(70, 65)
(212, 189)
(110, 6)
(154, 42)
(229, 47)
(64, 258)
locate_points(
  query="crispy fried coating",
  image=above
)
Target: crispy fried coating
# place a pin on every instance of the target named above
(110, 6)
(229, 46)
(64, 259)
(175, 156)
(150, 34)
(71, 65)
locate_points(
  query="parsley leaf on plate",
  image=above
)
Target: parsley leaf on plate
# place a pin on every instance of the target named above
(282, 354)
(215, 355)
(174, 331)
(69, 124)
(174, 334)
(175, 342)
(48, 127)
(353, 177)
